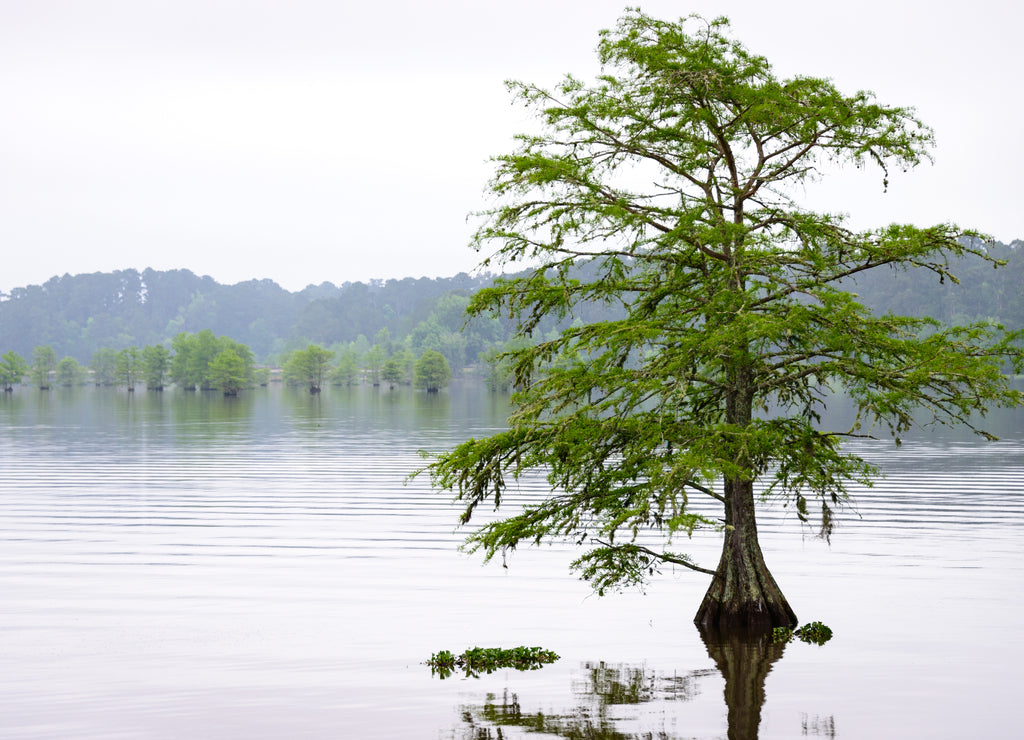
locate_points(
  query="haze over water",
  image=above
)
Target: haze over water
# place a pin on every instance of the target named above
(184, 565)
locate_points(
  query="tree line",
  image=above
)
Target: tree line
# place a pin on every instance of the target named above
(204, 361)
(80, 315)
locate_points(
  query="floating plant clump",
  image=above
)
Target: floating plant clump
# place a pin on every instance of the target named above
(478, 660)
(815, 632)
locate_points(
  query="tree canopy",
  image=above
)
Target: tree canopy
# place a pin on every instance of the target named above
(309, 367)
(668, 189)
(228, 372)
(44, 363)
(13, 368)
(432, 372)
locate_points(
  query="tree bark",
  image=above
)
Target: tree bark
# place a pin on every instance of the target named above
(743, 597)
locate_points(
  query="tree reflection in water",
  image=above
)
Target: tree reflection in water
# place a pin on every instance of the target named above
(744, 662)
(607, 697)
(604, 694)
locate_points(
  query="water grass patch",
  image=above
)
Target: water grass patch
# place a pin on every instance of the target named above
(812, 632)
(476, 660)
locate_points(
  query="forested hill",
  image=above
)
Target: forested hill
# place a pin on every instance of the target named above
(982, 293)
(79, 314)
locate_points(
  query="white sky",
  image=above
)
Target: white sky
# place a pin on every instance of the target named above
(313, 140)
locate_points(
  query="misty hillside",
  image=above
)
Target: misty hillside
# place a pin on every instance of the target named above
(982, 293)
(80, 314)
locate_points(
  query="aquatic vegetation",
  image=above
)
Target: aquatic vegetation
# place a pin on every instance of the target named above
(478, 660)
(815, 632)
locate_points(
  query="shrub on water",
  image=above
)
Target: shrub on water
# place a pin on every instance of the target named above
(487, 660)
(815, 632)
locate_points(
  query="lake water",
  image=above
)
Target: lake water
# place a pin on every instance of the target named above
(183, 565)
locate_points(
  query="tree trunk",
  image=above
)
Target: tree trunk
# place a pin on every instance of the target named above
(743, 597)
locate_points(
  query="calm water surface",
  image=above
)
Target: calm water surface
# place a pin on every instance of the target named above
(180, 565)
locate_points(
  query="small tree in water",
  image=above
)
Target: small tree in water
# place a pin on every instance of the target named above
(309, 367)
(13, 369)
(432, 372)
(228, 372)
(671, 178)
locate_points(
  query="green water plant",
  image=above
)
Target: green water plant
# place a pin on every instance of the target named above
(476, 660)
(815, 632)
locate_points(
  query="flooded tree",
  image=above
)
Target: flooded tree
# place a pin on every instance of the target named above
(103, 366)
(13, 369)
(70, 372)
(309, 367)
(432, 372)
(192, 364)
(44, 364)
(392, 372)
(673, 180)
(128, 367)
(228, 372)
(154, 365)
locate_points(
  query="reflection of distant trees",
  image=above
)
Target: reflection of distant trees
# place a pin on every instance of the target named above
(603, 693)
(627, 684)
(817, 725)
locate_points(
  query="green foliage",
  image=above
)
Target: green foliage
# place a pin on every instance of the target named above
(432, 372)
(782, 634)
(227, 372)
(373, 363)
(261, 376)
(664, 193)
(44, 363)
(13, 368)
(382, 339)
(443, 660)
(407, 363)
(154, 365)
(128, 367)
(204, 350)
(70, 372)
(812, 632)
(447, 329)
(347, 371)
(187, 366)
(979, 293)
(392, 371)
(815, 632)
(192, 365)
(477, 660)
(498, 361)
(81, 315)
(308, 367)
(104, 367)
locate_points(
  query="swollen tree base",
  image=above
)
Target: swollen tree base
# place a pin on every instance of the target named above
(743, 596)
(744, 599)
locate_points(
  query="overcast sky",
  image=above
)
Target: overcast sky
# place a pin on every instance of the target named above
(325, 140)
